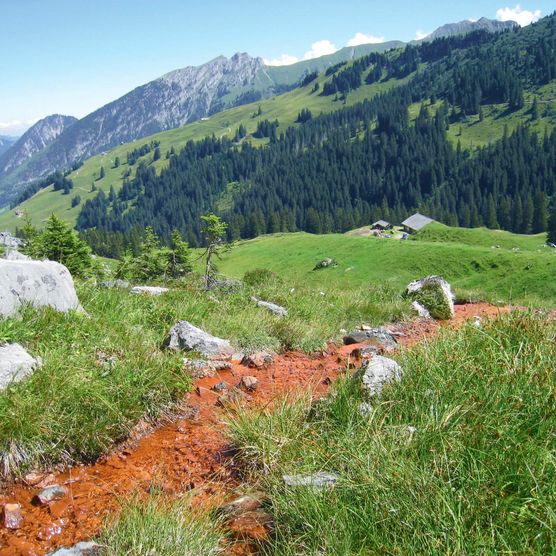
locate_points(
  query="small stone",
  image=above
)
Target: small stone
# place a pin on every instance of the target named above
(249, 383)
(364, 352)
(477, 322)
(240, 505)
(148, 290)
(50, 494)
(12, 516)
(80, 549)
(33, 479)
(322, 479)
(272, 307)
(365, 409)
(220, 387)
(257, 360)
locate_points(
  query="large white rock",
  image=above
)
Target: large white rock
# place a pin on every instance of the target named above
(15, 364)
(184, 335)
(41, 283)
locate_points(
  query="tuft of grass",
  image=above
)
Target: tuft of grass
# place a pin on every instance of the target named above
(158, 526)
(458, 458)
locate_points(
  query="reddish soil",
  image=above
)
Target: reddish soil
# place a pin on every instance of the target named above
(190, 454)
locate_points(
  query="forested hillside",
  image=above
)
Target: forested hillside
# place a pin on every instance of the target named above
(345, 169)
(380, 158)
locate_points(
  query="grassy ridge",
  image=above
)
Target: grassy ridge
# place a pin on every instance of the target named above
(285, 108)
(456, 459)
(474, 269)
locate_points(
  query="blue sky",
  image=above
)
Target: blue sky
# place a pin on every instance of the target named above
(73, 56)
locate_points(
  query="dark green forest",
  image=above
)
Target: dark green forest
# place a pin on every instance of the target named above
(348, 168)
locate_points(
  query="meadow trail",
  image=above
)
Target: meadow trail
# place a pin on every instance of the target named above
(191, 453)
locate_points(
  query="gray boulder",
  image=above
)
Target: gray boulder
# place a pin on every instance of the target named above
(435, 295)
(15, 364)
(379, 337)
(80, 549)
(184, 335)
(272, 307)
(41, 283)
(149, 290)
(376, 373)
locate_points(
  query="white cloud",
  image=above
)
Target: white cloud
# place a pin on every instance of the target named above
(518, 14)
(17, 125)
(284, 60)
(320, 48)
(420, 34)
(361, 38)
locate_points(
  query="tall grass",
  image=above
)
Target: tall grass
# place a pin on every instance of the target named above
(105, 371)
(158, 526)
(475, 475)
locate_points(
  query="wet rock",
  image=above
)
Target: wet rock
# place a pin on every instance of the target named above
(184, 335)
(220, 387)
(376, 373)
(33, 478)
(12, 518)
(379, 337)
(15, 364)
(257, 360)
(50, 494)
(232, 397)
(272, 307)
(80, 549)
(241, 505)
(322, 479)
(199, 368)
(325, 263)
(420, 310)
(249, 383)
(40, 283)
(148, 290)
(435, 295)
(124, 284)
(365, 352)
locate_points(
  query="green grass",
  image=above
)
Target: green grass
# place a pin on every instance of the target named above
(475, 476)
(158, 526)
(76, 407)
(475, 271)
(482, 237)
(284, 107)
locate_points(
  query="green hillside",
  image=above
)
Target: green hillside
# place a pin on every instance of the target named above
(284, 107)
(473, 267)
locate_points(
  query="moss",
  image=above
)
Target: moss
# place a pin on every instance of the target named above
(432, 297)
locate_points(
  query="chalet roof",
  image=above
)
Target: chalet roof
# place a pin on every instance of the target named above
(381, 223)
(417, 221)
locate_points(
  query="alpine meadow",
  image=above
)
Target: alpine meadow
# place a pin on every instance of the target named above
(295, 305)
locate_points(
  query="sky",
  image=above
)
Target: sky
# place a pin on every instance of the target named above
(73, 56)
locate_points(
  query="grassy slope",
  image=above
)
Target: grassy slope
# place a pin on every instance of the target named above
(473, 474)
(285, 108)
(478, 270)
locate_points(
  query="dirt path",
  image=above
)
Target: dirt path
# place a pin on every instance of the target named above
(187, 455)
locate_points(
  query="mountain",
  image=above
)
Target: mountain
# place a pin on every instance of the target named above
(468, 26)
(34, 140)
(183, 96)
(6, 142)
(177, 98)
